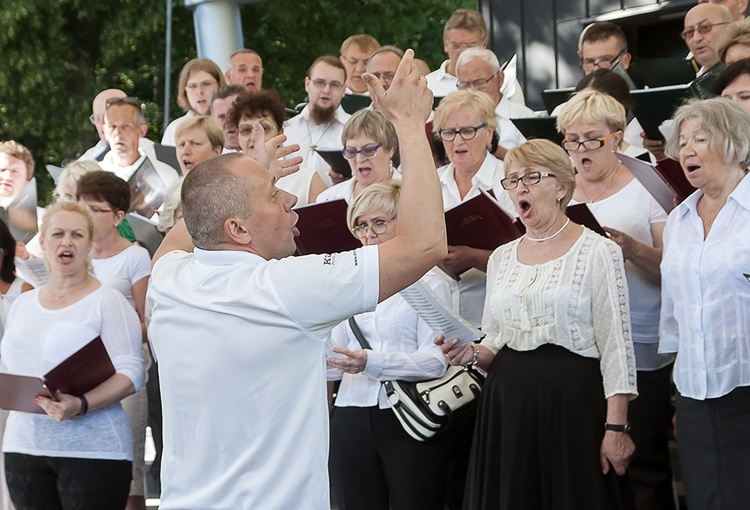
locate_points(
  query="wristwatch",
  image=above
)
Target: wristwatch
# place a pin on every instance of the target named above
(625, 429)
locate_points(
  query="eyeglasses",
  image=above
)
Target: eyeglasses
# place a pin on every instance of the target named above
(246, 130)
(455, 46)
(378, 227)
(193, 87)
(528, 179)
(367, 151)
(476, 84)
(466, 132)
(702, 28)
(589, 145)
(321, 84)
(119, 101)
(604, 62)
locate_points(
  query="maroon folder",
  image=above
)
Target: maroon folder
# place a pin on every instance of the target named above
(81, 372)
(323, 229)
(665, 181)
(480, 223)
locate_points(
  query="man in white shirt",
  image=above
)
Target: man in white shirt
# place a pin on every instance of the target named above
(101, 148)
(124, 125)
(478, 69)
(246, 69)
(239, 327)
(319, 125)
(465, 29)
(221, 103)
(355, 52)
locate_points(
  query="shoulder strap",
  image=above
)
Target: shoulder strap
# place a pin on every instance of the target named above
(358, 334)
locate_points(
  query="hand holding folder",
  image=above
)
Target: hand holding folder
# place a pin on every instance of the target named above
(81, 372)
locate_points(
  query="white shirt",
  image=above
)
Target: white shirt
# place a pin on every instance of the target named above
(442, 83)
(240, 343)
(401, 344)
(633, 210)
(468, 293)
(38, 339)
(123, 270)
(303, 131)
(576, 301)
(169, 134)
(509, 134)
(705, 314)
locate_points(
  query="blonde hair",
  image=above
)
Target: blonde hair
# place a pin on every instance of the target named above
(213, 132)
(737, 32)
(478, 102)
(591, 107)
(467, 19)
(382, 195)
(72, 173)
(543, 153)
(363, 41)
(373, 124)
(75, 207)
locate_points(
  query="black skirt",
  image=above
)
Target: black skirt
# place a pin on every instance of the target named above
(538, 435)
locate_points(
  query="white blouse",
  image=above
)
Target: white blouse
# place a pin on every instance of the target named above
(578, 301)
(705, 313)
(402, 348)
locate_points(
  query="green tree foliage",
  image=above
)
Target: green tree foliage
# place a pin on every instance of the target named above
(56, 55)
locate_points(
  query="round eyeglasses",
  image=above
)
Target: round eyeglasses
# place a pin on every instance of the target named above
(466, 132)
(528, 179)
(367, 151)
(378, 227)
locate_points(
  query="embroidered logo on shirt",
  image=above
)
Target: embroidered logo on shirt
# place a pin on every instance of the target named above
(328, 259)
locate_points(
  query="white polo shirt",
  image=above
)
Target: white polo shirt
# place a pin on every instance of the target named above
(240, 343)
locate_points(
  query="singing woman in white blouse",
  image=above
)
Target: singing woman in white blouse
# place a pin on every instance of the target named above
(705, 315)
(552, 427)
(374, 463)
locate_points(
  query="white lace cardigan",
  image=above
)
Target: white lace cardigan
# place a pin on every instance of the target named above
(578, 301)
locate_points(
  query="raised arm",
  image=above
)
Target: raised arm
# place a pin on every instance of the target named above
(421, 242)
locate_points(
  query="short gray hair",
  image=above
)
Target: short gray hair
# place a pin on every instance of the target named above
(212, 193)
(480, 53)
(725, 123)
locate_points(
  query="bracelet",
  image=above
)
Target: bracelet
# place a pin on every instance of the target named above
(84, 406)
(475, 358)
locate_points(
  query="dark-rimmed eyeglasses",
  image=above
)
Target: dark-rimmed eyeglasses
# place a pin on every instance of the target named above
(378, 227)
(605, 62)
(466, 132)
(589, 145)
(702, 28)
(368, 151)
(528, 179)
(476, 84)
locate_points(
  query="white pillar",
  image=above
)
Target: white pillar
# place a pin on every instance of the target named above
(218, 29)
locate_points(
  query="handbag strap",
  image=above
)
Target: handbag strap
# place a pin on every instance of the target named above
(358, 334)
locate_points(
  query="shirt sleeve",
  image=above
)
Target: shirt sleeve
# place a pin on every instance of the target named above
(139, 264)
(668, 329)
(121, 334)
(319, 291)
(611, 320)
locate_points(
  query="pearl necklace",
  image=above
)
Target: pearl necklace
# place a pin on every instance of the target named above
(539, 240)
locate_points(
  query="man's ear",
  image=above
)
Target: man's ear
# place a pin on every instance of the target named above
(625, 60)
(143, 130)
(227, 74)
(236, 232)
